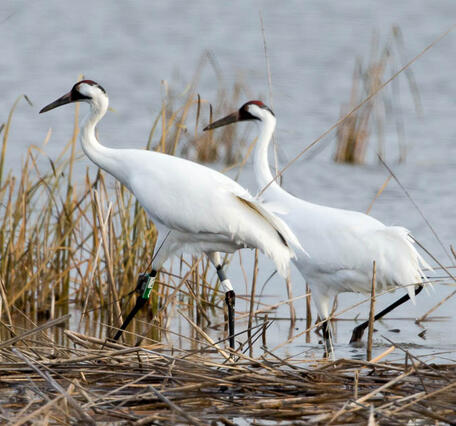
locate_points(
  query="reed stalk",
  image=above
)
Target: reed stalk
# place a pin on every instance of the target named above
(354, 134)
(371, 313)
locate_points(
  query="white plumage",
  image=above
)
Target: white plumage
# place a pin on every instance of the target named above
(341, 244)
(196, 209)
(204, 209)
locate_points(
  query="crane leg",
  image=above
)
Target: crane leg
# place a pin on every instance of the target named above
(326, 331)
(230, 299)
(358, 331)
(144, 287)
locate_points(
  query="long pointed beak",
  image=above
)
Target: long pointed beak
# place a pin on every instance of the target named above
(65, 99)
(232, 118)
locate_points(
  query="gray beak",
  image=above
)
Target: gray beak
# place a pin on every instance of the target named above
(232, 118)
(65, 99)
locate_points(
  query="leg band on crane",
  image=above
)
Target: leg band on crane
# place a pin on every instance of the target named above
(144, 287)
(226, 283)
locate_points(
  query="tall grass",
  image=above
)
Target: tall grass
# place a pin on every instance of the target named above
(184, 112)
(354, 134)
(71, 244)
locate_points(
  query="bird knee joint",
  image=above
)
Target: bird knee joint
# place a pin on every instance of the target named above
(230, 298)
(145, 284)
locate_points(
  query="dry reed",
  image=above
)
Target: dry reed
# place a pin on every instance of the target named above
(354, 133)
(155, 385)
(66, 248)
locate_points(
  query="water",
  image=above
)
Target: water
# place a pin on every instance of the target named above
(131, 46)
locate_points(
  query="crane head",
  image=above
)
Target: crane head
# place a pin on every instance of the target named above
(82, 91)
(252, 110)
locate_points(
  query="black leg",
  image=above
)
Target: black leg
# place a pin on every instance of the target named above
(326, 331)
(143, 288)
(359, 330)
(230, 299)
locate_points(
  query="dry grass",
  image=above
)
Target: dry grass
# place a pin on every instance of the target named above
(74, 244)
(52, 384)
(354, 134)
(182, 111)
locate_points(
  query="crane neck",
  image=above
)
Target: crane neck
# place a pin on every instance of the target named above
(106, 158)
(263, 173)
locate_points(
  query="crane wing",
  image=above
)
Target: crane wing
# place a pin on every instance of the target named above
(285, 233)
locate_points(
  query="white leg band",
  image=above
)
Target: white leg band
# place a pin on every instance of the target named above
(227, 285)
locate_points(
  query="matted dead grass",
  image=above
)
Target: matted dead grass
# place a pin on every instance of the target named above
(91, 381)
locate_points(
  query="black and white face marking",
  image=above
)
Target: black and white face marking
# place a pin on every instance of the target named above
(81, 91)
(246, 112)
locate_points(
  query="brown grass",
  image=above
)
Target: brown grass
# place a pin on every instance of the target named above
(44, 382)
(70, 244)
(74, 248)
(181, 112)
(354, 134)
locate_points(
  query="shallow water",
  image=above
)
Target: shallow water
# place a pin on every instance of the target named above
(130, 47)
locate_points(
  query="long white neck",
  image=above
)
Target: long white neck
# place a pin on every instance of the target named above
(106, 158)
(263, 173)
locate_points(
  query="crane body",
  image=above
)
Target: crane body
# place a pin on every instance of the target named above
(195, 209)
(341, 244)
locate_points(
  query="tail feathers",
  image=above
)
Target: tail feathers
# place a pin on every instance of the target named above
(281, 260)
(278, 224)
(411, 293)
(288, 242)
(423, 279)
(420, 263)
(276, 207)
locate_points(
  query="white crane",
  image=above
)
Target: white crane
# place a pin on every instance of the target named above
(341, 244)
(195, 209)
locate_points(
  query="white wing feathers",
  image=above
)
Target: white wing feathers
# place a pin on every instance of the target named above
(421, 263)
(278, 224)
(406, 262)
(281, 247)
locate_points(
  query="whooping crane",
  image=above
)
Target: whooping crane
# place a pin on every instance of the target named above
(195, 209)
(341, 244)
